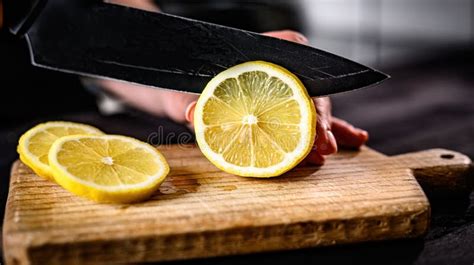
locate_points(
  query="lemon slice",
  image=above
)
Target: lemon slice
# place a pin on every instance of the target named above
(34, 145)
(255, 119)
(107, 168)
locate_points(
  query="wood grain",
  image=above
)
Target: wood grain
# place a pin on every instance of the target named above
(201, 211)
(440, 172)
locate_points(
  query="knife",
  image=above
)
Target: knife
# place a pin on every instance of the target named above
(92, 38)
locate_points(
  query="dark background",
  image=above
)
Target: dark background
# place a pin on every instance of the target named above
(426, 46)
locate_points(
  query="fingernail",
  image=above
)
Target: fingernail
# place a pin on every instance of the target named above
(189, 113)
(302, 39)
(324, 126)
(364, 134)
(332, 140)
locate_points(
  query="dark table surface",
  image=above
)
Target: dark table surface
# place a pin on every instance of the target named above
(425, 105)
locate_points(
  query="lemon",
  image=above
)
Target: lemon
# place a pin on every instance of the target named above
(255, 119)
(34, 145)
(107, 168)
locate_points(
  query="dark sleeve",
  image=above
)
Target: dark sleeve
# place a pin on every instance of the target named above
(259, 15)
(30, 93)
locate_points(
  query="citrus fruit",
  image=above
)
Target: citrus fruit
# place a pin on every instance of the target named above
(34, 145)
(255, 119)
(107, 168)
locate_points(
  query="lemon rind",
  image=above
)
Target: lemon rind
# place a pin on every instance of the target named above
(308, 121)
(101, 193)
(31, 160)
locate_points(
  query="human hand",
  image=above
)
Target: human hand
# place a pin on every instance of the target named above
(331, 132)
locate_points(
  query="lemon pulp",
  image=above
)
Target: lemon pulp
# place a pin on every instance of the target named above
(34, 145)
(255, 119)
(107, 168)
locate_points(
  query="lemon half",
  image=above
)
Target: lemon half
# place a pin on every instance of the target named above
(255, 119)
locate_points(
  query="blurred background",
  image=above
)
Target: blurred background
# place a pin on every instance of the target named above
(389, 33)
(427, 48)
(425, 45)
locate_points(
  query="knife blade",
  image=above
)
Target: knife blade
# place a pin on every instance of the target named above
(92, 38)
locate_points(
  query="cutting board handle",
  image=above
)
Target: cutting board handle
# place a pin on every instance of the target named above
(439, 171)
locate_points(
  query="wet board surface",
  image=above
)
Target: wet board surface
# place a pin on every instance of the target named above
(200, 211)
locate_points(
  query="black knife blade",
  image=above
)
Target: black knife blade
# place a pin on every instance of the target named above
(96, 39)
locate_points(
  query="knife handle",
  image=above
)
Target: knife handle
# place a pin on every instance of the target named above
(20, 15)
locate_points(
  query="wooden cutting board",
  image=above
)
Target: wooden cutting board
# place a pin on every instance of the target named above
(201, 211)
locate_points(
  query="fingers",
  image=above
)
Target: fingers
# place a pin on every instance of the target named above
(325, 143)
(341, 134)
(313, 159)
(347, 135)
(288, 35)
(330, 131)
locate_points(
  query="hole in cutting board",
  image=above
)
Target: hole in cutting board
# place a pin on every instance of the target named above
(447, 156)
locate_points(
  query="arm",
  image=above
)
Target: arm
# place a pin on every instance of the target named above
(159, 102)
(145, 5)
(162, 103)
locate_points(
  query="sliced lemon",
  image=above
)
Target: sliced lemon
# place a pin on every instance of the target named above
(107, 168)
(255, 119)
(34, 145)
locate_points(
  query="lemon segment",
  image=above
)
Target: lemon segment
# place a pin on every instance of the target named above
(34, 145)
(255, 119)
(107, 168)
